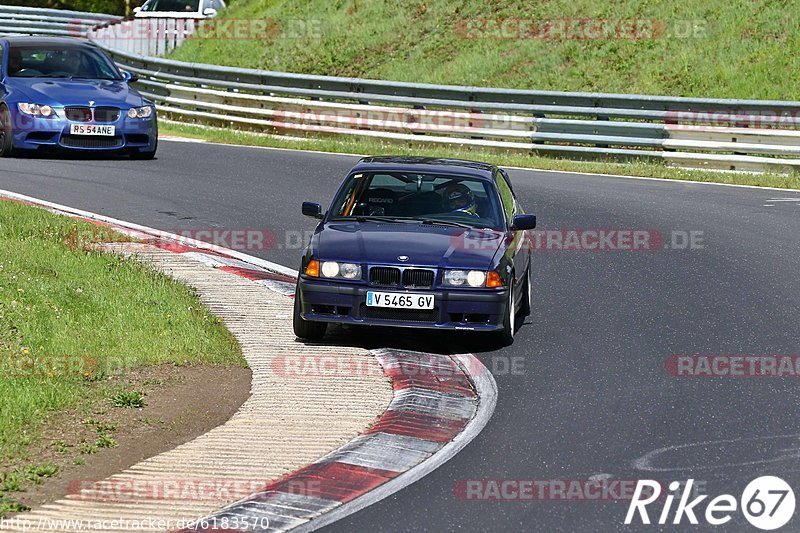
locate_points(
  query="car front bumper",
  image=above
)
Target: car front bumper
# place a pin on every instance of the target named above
(329, 301)
(131, 135)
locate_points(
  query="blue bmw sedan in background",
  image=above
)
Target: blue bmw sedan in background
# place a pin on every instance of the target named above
(421, 243)
(67, 94)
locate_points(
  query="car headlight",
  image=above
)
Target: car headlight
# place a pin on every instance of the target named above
(468, 278)
(140, 112)
(332, 269)
(455, 278)
(476, 278)
(37, 110)
(350, 271)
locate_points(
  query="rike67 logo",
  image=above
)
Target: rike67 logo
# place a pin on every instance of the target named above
(767, 503)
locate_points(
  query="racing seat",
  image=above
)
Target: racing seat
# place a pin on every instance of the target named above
(377, 202)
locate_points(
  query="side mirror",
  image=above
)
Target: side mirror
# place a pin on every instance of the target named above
(209, 12)
(130, 77)
(310, 209)
(523, 222)
(136, 10)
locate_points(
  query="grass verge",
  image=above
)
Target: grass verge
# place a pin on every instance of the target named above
(71, 319)
(502, 158)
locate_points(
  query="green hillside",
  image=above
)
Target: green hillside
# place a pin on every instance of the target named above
(713, 48)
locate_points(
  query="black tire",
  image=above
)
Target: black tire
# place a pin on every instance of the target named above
(145, 156)
(505, 337)
(304, 329)
(6, 133)
(525, 298)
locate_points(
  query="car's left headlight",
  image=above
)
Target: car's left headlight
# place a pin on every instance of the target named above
(36, 110)
(140, 112)
(332, 269)
(471, 278)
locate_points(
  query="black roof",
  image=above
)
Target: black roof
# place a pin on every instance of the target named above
(426, 165)
(45, 41)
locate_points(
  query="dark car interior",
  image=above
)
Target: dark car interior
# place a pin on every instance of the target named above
(417, 196)
(61, 62)
(172, 5)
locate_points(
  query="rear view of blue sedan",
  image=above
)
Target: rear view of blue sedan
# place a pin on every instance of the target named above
(418, 243)
(67, 94)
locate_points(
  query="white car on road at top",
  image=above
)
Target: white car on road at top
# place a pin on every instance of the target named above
(196, 9)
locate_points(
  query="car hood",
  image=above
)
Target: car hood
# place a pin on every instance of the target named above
(64, 92)
(170, 14)
(425, 245)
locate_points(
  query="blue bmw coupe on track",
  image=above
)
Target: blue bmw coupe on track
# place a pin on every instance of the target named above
(67, 94)
(421, 243)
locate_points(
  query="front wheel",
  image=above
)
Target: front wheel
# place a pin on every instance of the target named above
(506, 335)
(6, 133)
(525, 299)
(305, 329)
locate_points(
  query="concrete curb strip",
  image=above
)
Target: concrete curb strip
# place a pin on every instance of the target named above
(285, 424)
(438, 405)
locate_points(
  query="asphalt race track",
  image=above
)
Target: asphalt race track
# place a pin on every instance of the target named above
(583, 391)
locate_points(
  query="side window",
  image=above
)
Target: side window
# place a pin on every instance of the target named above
(2, 63)
(506, 195)
(347, 198)
(518, 209)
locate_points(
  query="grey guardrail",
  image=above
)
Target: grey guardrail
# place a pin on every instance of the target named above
(20, 20)
(55, 13)
(594, 104)
(699, 132)
(576, 125)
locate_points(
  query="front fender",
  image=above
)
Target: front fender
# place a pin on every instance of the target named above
(503, 260)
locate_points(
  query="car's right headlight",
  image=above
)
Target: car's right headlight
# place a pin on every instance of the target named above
(332, 269)
(140, 112)
(37, 110)
(471, 278)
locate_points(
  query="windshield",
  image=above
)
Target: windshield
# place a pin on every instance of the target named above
(419, 197)
(60, 62)
(186, 6)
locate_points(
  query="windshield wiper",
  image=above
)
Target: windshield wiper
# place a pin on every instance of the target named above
(374, 218)
(429, 221)
(433, 221)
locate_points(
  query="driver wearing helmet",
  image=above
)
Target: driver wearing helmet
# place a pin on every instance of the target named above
(459, 199)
